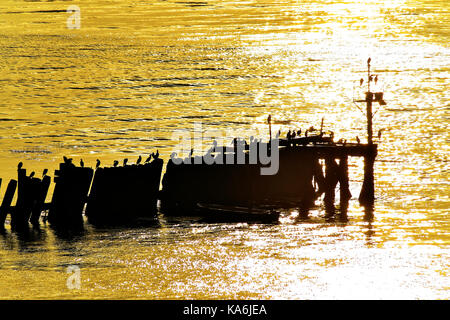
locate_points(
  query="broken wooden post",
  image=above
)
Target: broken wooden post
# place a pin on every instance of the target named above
(7, 199)
(69, 197)
(331, 178)
(367, 195)
(20, 214)
(344, 190)
(41, 190)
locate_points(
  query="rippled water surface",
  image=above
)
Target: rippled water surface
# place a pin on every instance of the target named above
(136, 71)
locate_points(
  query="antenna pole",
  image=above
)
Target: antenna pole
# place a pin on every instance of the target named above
(369, 99)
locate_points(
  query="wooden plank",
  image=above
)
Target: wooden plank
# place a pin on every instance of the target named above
(40, 200)
(7, 199)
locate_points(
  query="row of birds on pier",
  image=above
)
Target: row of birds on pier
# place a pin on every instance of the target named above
(293, 134)
(68, 161)
(151, 156)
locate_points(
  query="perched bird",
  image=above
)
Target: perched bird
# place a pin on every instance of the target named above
(116, 163)
(191, 153)
(293, 134)
(125, 162)
(379, 134)
(44, 172)
(288, 136)
(370, 78)
(97, 165)
(306, 132)
(357, 140)
(32, 174)
(148, 159)
(361, 81)
(376, 79)
(157, 154)
(19, 166)
(139, 160)
(299, 132)
(67, 160)
(81, 163)
(368, 60)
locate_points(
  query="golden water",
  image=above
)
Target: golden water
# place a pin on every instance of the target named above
(135, 71)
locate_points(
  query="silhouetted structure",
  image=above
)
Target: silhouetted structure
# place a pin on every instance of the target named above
(122, 194)
(70, 194)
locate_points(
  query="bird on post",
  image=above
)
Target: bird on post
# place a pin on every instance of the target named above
(357, 140)
(379, 133)
(44, 172)
(81, 163)
(97, 165)
(32, 174)
(157, 154)
(149, 158)
(361, 81)
(20, 165)
(139, 160)
(125, 162)
(376, 79)
(115, 163)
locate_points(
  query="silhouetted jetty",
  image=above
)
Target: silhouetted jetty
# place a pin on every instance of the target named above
(235, 182)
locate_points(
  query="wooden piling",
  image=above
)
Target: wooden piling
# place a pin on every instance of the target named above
(367, 195)
(69, 196)
(7, 199)
(38, 206)
(331, 178)
(344, 189)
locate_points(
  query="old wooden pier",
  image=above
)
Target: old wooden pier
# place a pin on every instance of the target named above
(227, 179)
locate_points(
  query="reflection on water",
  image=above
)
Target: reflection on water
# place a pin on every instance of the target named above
(136, 71)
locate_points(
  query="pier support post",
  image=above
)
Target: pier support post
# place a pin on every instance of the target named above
(331, 178)
(6, 203)
(343, 179)
(367, 195)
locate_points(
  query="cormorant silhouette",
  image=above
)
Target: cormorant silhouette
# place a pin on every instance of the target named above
(157, 154)
(293, 134)
(299, 132)
(97, 165)
(115, 163)
(379, 134)
(32, 174)
(19, 166)
(148, 159)
(361, 81)
(125, 162)
(81, 163)
(357, 140)
(139, 160)
(44, 172)
(288, 135)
